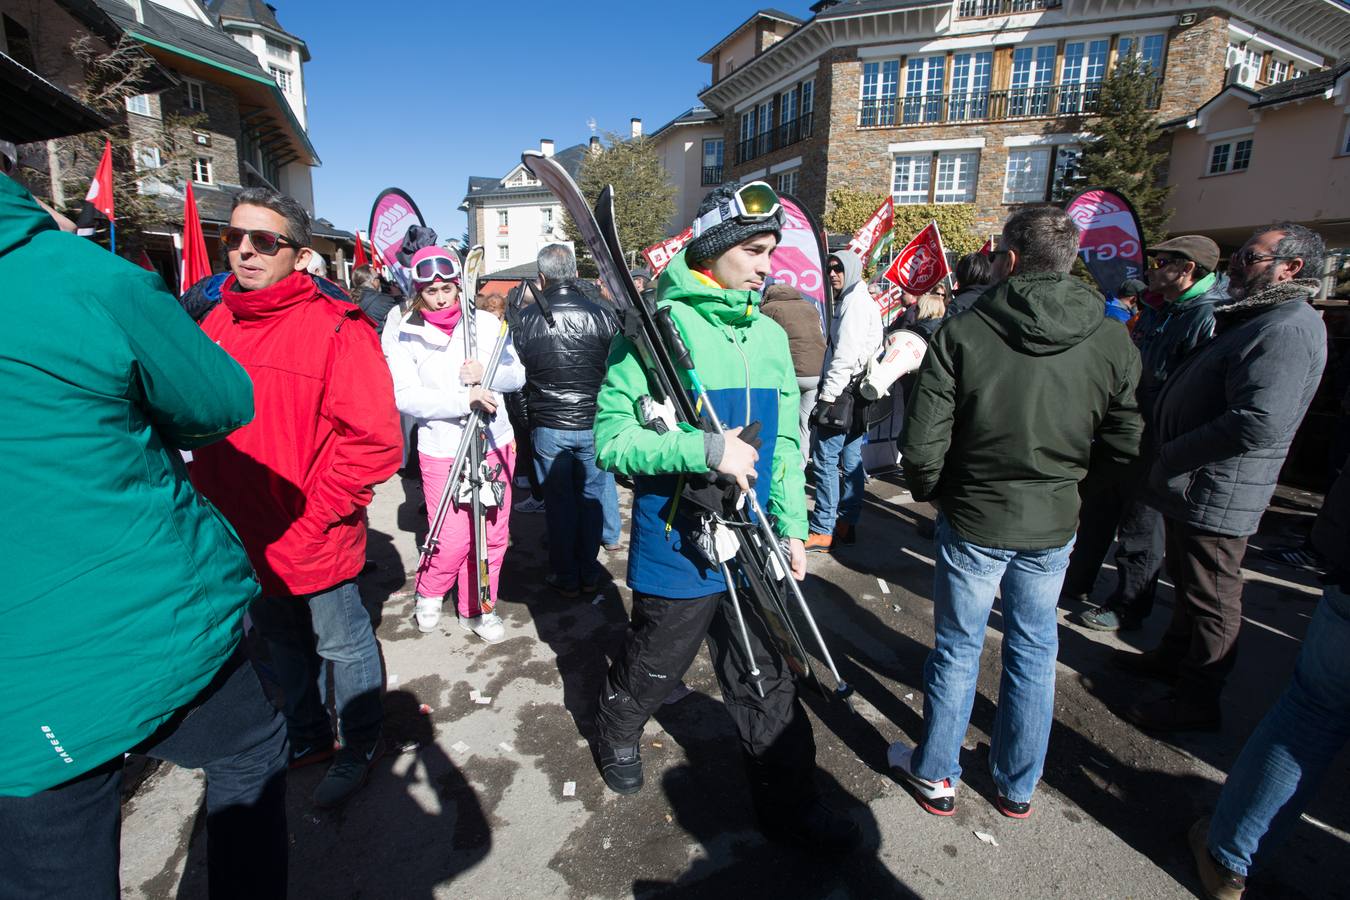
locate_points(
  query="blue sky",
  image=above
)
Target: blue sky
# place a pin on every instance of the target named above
(421, 95)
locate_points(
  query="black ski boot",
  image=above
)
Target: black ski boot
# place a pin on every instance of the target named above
(621, 767)
(815, 827)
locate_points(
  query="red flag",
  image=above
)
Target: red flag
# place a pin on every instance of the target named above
(359, 258)
(872, 231)
(987, 248)
(100, 195)
(660, 254)
(144, 262)
(196, 263)
(921, 263)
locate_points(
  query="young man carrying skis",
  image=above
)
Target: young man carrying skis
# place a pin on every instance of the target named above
(679, 597)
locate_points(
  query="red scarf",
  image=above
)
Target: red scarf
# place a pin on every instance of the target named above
(444, 319)
(294, 289)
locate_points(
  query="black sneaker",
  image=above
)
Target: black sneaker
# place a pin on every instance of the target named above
(307, 753)
(1012, 809)
(346, 775)
(818, 828)
(621, 767)
(569, 591)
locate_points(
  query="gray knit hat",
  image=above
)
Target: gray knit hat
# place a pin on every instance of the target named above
(725, 235)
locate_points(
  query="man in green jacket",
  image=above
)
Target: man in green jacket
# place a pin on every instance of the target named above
(679, 597)
(1014, 402)
(120, 617)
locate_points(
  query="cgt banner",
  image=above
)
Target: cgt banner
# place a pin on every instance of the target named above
(391, 216)
(660, 254)
(873, 230)
(799, 258)
(1110, 239)
(921, 264)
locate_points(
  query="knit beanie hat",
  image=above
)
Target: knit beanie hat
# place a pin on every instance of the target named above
(725, 235)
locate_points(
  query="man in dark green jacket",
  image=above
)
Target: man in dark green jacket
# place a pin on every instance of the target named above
(120, 617)
(1014, 402)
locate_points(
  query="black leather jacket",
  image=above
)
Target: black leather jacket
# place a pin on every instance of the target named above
(564, 359)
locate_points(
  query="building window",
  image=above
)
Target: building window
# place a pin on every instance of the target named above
(1032, 74)
(1037, 174)
(1066, 169)
(1345, 144)
(787, 182)
(808, 97)
(278, 50)
(503, 253)
(880, 82)
(970, 86)
(712, 161)
(1148, 47)
(546, 220)
(923, 89)
(139, 104)
(910, 182)
(1084, 69)
(765, 117)
(196, 95)
(503, 220)
(1279, 71)
(282, 77)
(201, 170)
(787, 105)
(1230, 157)
(745, 149)
(146, 157)
(956, 177)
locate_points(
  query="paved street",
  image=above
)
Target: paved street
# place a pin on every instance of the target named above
(490, 790)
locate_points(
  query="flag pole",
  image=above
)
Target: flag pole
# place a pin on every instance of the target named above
(942, 248)
(112, 236)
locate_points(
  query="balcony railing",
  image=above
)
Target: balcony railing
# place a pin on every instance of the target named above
(972, 9)
(785, 135)
(712, 175)
(988, 106)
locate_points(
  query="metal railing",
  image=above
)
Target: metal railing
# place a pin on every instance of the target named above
(988, 106)
(785, 135)
(712, 175)
(972, 9)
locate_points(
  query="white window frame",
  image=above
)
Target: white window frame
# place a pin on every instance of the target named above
(927, 74)
(1275, 77)
(718, 158)
(282, 77)
(200, 94)
(879, 92)
(970, 89)
(808, 101)
(1023, 183)
(919, 176)
(202, 170)
(1230, 150)
(503, 253)
(787, 181)
(545, 220)
(146, 157)
(1136, 48)
(139, 104)
(963, 168)
(277, 50)
(1034, 97)
(503, 221)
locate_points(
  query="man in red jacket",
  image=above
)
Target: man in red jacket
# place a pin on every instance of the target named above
(296, 481)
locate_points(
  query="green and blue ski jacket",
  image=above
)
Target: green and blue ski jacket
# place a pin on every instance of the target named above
(743, 361)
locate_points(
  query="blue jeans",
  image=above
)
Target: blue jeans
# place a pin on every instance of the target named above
(611, 529)
(63, 842)
(302, 634)
(832, 446)
(1285, 758)
(574, 491)
(964, 583)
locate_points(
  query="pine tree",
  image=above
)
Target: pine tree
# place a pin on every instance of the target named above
(1126, 152)
(644, 201)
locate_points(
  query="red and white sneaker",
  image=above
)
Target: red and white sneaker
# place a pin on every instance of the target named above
(936, 797)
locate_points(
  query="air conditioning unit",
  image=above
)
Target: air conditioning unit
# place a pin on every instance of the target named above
(1242, 74)
(1232, 57)
(202, 139)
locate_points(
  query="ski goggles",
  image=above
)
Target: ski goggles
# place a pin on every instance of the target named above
(433, 267)
(265, 242)
(753, 202)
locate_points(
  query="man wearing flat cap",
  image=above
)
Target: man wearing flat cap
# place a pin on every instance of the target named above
(1181, 271)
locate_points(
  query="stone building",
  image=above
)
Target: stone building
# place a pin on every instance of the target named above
(982, 102)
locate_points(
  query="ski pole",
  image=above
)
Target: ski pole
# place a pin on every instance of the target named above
(680, 351)
(745, 632)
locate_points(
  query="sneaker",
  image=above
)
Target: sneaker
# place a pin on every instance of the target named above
(345, 776)
(307, 753)
(427, 613)
(1220, 882)
(568, 591)
(1013, 809)
(818, 543)
(1297, 557)
(488, 626)
(818, 829)
(613, 548)
(1104, 618)
(529, 505)
(621, 767)
(937, 797)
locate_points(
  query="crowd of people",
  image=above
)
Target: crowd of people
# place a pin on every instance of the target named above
(193, 468)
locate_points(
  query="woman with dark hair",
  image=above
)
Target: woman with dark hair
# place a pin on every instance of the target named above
(973, 277)
(366, 294)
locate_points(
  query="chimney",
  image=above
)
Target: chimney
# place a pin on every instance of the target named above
(636, 127)
(546, 146)
(595, 144)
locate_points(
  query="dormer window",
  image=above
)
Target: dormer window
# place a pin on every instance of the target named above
(278, 50)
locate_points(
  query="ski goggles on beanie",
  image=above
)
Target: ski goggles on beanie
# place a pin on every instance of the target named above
(431, 263)
(751, 203)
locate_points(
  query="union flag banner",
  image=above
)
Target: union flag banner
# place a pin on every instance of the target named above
(873, 230)
(921, 264)
(660, 254)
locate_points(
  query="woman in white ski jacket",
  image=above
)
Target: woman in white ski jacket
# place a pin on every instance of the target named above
(434, 384)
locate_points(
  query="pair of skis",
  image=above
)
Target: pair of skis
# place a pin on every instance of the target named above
(761, 561)
(468, 477)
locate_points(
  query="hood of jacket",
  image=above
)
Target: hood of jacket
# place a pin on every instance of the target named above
(712, 301)
(20, 216)
(853, 268)
(1043, 312)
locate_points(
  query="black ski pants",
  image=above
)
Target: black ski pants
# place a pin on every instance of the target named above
(1118, 514)
(776, 737)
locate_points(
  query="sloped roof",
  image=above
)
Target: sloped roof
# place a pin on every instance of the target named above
(480, 186)
(695, 115)
(763, 13)
(256, 12)
(1315, 82)
(37, 110)
(855, 7)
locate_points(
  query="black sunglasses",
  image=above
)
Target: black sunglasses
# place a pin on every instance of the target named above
(265, 242)
(1250, 257)
(839, 269)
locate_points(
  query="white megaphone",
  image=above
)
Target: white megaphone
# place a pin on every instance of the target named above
(904, 351)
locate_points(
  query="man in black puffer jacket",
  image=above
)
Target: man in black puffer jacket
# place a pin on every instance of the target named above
(564, 342)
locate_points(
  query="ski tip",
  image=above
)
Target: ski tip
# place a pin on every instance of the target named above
(531, 154)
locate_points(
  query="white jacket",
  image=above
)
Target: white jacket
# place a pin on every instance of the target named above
(425, 364)
(855, 339)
